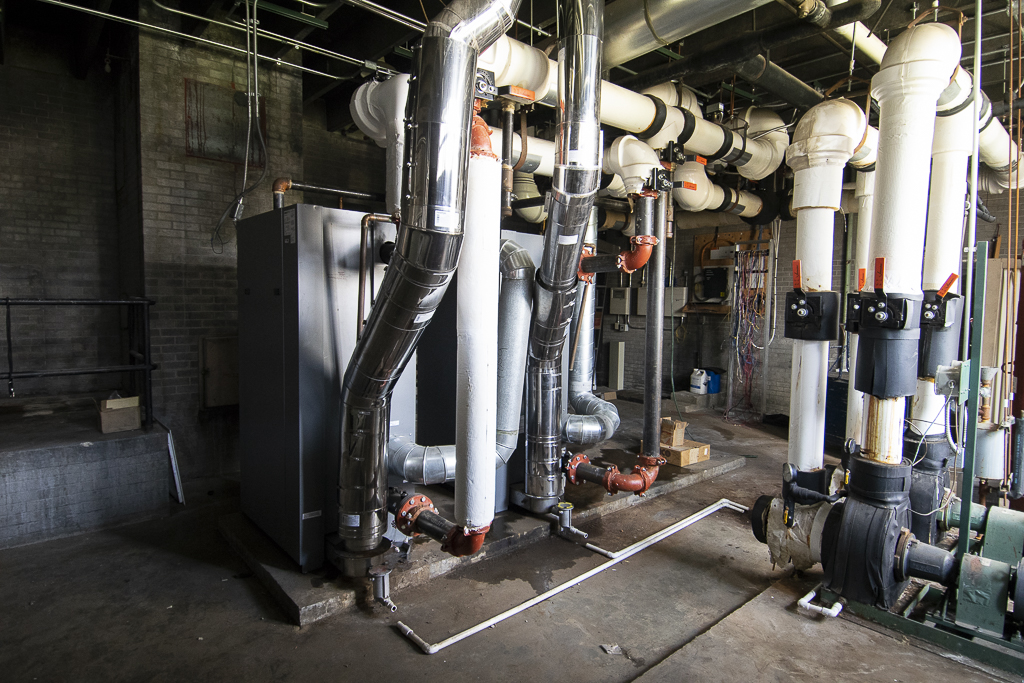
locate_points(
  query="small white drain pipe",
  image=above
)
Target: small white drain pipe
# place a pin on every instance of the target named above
(625, 553)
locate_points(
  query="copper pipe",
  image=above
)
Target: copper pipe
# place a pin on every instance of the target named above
(364, 230)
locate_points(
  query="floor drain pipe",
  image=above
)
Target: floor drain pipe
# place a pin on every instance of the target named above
(427, 251)
(574, 185)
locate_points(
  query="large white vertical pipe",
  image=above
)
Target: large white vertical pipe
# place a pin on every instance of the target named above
(825, 139)
(951, 148)
(477, 358)
(857, 33)
(865, 193)
(917, 67)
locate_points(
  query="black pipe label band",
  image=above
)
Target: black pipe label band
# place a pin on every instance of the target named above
(689, 126)
(727, 201)
(660, 113)
(867, 169)
(728, 142)
(738, 156)
(957, 109)
(531, 164)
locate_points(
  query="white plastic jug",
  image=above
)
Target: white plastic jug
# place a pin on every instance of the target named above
(699, 381)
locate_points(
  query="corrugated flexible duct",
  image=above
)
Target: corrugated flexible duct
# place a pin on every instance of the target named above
(427, 251)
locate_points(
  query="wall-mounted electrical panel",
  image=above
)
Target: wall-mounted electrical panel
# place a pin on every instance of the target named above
(619, 301)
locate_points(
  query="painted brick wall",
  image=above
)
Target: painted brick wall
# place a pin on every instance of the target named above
(59, 222)
(194, 283)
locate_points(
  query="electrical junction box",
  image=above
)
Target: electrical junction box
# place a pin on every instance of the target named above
(619, 301)
(716, 283)
(675, 300)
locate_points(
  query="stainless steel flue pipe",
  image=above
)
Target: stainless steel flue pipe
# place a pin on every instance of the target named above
(440, 108)
(575, 182)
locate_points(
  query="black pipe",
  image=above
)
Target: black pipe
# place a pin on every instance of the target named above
(1003, 108)
(1017, 461)
(778, 81)
(528, 202)
(750, 45)
(591, 473)
(31, 374)
(654, 335)
(507, 123)
(78, 302)
(434, 525)
(348, 194)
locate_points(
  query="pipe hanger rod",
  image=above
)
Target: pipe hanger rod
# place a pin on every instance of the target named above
(625, 553)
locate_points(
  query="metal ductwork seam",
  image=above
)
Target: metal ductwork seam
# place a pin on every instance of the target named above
(439, 110)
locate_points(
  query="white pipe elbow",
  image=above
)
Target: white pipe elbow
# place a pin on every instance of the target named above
(378, 109)
(633, 161)
(767, 141)
(920, 61)
(525, 187)
(695, 192)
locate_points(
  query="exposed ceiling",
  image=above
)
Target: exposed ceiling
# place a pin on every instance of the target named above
(336, 26)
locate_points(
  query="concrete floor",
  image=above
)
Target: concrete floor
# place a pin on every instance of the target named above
(168, 600)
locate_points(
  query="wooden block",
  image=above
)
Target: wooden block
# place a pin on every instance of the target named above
(609, 396)
(689, 453)
(120, 419)
(673, 432)
(114, 403)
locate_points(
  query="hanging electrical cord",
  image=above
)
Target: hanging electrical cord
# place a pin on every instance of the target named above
(252, 83)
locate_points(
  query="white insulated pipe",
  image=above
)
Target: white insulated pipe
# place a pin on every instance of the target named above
(696, 192)
(865, 194)
(917, 67)
(476, 391)
(825, 139)
(378, 109)
(517, 64)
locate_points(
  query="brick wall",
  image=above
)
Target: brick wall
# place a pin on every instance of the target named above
(193, 281)
(59, 220)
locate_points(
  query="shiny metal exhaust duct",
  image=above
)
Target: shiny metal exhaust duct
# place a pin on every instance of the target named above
(574, 186)
(436, 464)
(595, 419)
(440, 108)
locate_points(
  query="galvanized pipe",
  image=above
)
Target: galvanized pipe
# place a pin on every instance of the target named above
(427, 251)
(574, 185)
(595, 419)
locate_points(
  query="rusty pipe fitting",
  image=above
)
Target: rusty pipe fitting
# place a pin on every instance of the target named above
(480, 137)
(461, 541)
(638, 481)
(637, 257)
(409, 510)
(281, 185)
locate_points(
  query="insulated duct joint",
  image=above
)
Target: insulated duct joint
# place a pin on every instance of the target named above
(812, 316)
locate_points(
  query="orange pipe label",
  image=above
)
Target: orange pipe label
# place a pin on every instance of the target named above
(862, 278)
(702, 161)
(687, 185)
(879, 272)
(947, 284)
(796, 274)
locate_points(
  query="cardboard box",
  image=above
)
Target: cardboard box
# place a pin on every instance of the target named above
(673, 432)
(609, 395)
(689, 453)
(120, 415)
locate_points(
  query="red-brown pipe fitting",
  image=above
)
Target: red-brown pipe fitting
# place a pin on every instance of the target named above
(638, 481)
(637, 257)
(461, 541)
(574, 462)
(480, 136)
(409, 510)
(588, 250)
(282, 185)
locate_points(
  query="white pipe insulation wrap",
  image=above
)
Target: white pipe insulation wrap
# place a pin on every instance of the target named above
(696, 192)
(917, 67)
(633, 161)
(676, 95)
(825, 139)
(865, 193)
(927, 411)
(378, 109)
(756, 156)
(540, 154)
(477, 357)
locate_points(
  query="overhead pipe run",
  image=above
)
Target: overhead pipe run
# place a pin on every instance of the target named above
(749, 45)
(756, 152)
(427, 251)
(282, 185)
